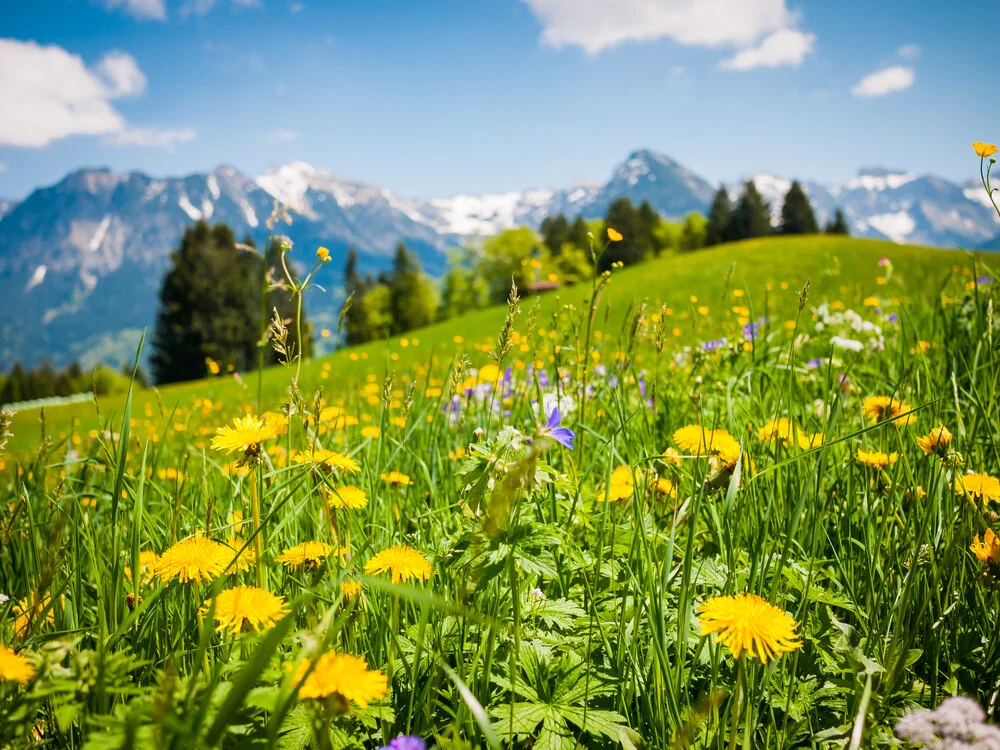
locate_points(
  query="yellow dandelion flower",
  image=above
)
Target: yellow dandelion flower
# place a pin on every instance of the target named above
(147, 566)
(665, 487)
(698, 441)
(245, 608)
(246, 434)
(620, 486)
(779, 428)
(371, 432)
(402, 563)
(14, 667)
(810, 441)
(672, 457)
(276, 420)
(344, 675)
(350, 589)
(396, 479)
(348, 496)
(247, 558)
(988, 550)
(876, 459)
(327, 460)
(28, 613)
(614, 235)
(981, 486)
(309, 554)
(935, 441)
(984, 149)
(880, 408)
(194, 559)
(747, 622)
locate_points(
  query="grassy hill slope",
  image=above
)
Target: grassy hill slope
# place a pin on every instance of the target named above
(770, 272)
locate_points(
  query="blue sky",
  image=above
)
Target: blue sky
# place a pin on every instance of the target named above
(440, 97)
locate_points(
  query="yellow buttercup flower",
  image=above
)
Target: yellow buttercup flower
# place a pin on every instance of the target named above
(194, 559)
(984, 149)
(247, 607)
(988, 550)
(246, 434)
(935, 441)
(614, 235)
(344, 675)
(327, 460)
(981, 486)
(309, 554)
(401, 563)
(348, 496)
(14, 667)
(880, 408)
(323, 255)
(876, 459)
(747, 622)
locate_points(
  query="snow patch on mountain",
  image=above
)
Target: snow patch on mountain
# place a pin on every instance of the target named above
(213, 186)
(98, 238)
(896, 226)
(187, 207)
(879, 180)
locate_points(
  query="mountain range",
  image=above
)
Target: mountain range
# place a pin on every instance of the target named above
(81, 261)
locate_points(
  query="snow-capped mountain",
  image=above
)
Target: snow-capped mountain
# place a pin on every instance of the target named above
(900, 206)
(81, 261)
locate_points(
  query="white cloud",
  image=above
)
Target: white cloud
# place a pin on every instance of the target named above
(122, 74)
(144, 9)
(57, 96)
(595, 25)
(166, 138)
(882, 82)
(783, 47)
(296, 8)
(282, 135)
(51, 94)
(3, 167)
(909, 51)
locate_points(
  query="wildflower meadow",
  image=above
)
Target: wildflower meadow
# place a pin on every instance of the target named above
(753, 512)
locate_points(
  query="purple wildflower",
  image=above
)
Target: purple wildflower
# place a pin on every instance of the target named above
(984, 280)
(562, 435)
(814, 364)
(405, 742)
(711, 346)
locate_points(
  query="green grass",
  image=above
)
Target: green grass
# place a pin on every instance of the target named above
(828, 263)
(563, 605)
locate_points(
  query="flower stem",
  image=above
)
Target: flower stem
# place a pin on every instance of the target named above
(255, 509)
(737, 696)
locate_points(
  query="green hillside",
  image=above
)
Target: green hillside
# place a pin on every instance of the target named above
(770, 271)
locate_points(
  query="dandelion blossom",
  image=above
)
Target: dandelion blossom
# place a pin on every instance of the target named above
(988, 550)
(194, 559)
(147, 566)
(981, 486)
(665, 487)
(245, 559)
(344, 675)
(402, 563)
(697, 440)
(779, 428)
(348, 496)
(876, 459)
(14, 667)
(350, 589)
(309, 554)
(747, 622)
(935, 441)
(621, 485)
(327, 460)
(396, 479)
(882, 408)
(247, 607)
(246, 434)
(28, 613)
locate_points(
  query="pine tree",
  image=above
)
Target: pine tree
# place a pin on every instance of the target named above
(718, 218)
(649, 220)
(555, 233)
(623, 217)
(206, 307)
(356, 325)
(13, 385)
(797, 216)
(579, 235)
(751, 217)
(692, 236)
(838, 225)
(412, 301)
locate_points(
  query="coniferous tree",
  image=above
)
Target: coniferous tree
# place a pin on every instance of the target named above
(692, 236)
(751, 217)
(649, 220)
(797, 216)
(206, 307)
(555, 233)
(718, 218)
(356, 325)
(13, 385)
(624, 218)
(838, 225)
(412, 301)
(579, 235)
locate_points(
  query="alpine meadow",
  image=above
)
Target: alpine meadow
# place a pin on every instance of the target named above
(502, 375)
